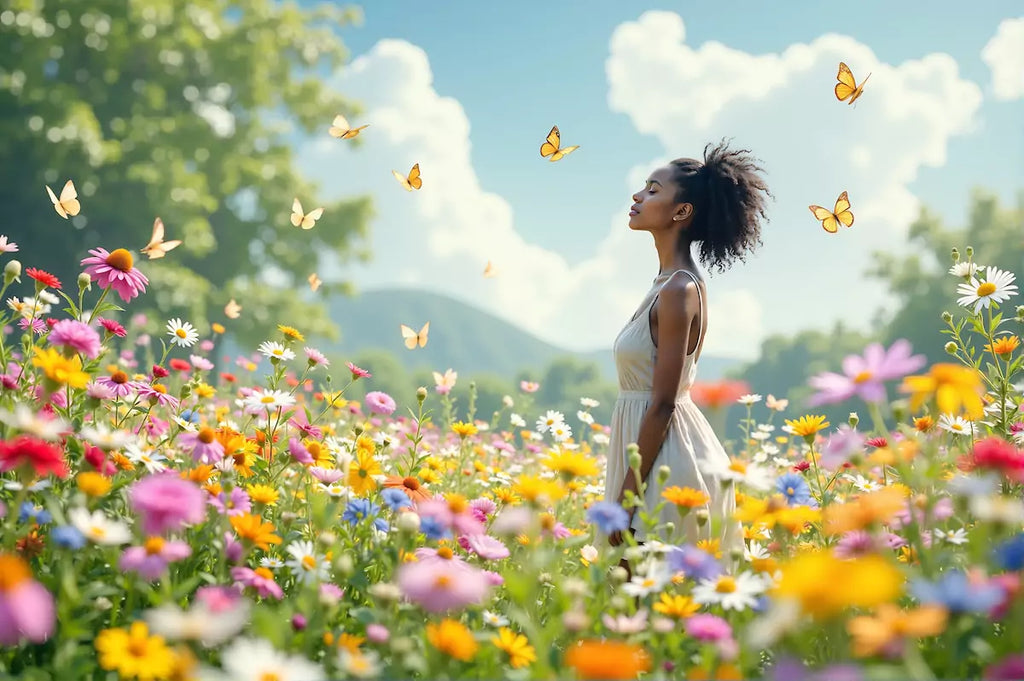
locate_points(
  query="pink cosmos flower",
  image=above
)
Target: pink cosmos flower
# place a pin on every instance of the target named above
(98, 391)
(486, 547)
(326, 475)
(493, 578)
(626, 624)
(462, 522)
(116, 270)
(840, 446)
(235, 502)
(529, 386)
(151, 560)
(218, 598)
(380, 403)
(299, 451)
(330, 594)
(302, 424)
(261, 579)
(315, 358)
(7, 246)
(439, 586)
(705, 627)
(377, 633)
(864, 376)
(78, 336)
(200, 363)
(112, 327)
(203, 446)
(149, 390)
(357, 373)
(166, 503)
(854, 543)
(26, 607)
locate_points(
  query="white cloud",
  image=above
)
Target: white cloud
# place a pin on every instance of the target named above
(1004, 54)
(780, 105)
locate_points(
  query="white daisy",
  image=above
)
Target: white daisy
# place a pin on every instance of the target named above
(997, 287)
(199, 623)
(105, 438)
(249, 659)
(364, 664)
(965, 269)
(561, 432)
(652, 581)
(956, 537)
(24, 419)
(274, 350)
(726, 470)
(517, 420)
(997, 508)
(259, 401)
(589, 403)
(305, 564)
(956, 424)
(863, 484)
(271, 562)
(549, 420)
(336, 490)
(98, 528)
(182, 333)
(585, 417)
(154, 462)
(732, 592)
(494, 619)
(601, 439)
(749, 399)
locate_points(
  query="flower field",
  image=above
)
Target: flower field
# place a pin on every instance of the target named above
(166, 516)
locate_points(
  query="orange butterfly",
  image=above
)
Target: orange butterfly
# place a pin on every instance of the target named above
(830, 219)
(413, 181)
(157, 247)
(305, 220)
(552, 146)
(314, 282)
(412, 338)
(342, 130)
(232, 309)
(847, 87)
(68, 203)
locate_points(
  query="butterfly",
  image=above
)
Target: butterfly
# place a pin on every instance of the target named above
(489, 270)
(830, 219)
(68, 203)
(413, 181)
(552, 148)
(305, 220)
(232, 309)
(342, 130)
(412, 339)
(314, 282)
(157, 247)
(847, 87)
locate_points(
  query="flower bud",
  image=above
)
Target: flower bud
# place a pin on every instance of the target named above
(12, 271)
(702, 516)
(328, 538)
(507, 401)
(670, 526)
(950, 347)
(633, 553)
(854, 419)
(956, 256)
(946, 317)
(408, 522)
(298, 622)
(970, 251)
(1020, 312)
(633, 450)
(84, 282)
(900, 410)
(618, 574)
(663, 473)
(102, 603)
(344, 564)
(421, 394)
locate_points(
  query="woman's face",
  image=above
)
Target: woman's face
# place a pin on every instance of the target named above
(655, 205)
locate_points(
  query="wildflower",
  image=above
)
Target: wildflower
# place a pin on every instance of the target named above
(275, 351)
(795, 489)
(93, 484)
(60, 369)
(885, 632)
(305, 564)
(151, 559)
(866, 510)
(182, 333)
(440, 585)
(116, 270)
(571, 464)
(709, 628)
(529, 386)
(1010, 554)
(362, 471)
(315, 358)
(395, 498)
(748, 399)
(997, 288)
(608, 516)
(250, 659)
(76, 335)
(212, 620)
(42, 424)
(112, 327)
(807, 426)
(261, 579)
(134, 653)
(737, 592)
(232, 503)
(594, 659)
(380, 403)
(550, 420)
(867, 581)
(864, 375)
(693, 562)
(955, 592)
(486, 547)
(260, 401)
(537, 490)
(952, 386)
(464, 430)
(715, 395)
(993, 453)
(357, 372)
(728, 471)
(676, 606)
(252, 528)
(360, 509)
(1003, 346)
(26, 608)
(516, 646)
(6, 246)
(262, 494)
(98, 528)
(30, 454)
(166, 503)
(44, 279)
(203, 445)
(156, 393)
(957, 425)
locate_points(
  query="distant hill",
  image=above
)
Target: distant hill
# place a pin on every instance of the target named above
(463, 337)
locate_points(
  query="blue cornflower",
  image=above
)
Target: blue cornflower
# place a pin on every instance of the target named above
(190, 415)
(358, 509)
(395, 498)
(380, 524)
(794, 488)
(696, 563)
(67, 537)
(1010, 554)
(37, 514)
(954, 592)
(608, 516)
(433, 528)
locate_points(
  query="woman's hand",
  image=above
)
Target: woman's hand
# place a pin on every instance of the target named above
(629, 484)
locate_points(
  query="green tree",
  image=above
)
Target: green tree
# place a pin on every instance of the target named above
(183, 111)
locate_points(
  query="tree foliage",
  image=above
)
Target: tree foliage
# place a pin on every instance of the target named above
(183, 111)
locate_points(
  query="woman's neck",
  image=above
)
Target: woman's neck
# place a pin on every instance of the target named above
(670, 257)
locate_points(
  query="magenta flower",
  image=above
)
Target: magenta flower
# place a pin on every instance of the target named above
(203, 446)
(315, 358)
(377, 633)
(357, 373)
(460, 522)
(26, 607)
(486, 547)
(299, 451)
(151, 560)
(705, 627)
(330, 594)
(261, 579)
(235, 502)
(157, 393)
(841, 445)
(218, 598)
(302, 424)
(865, 376)
(166, 503)
(439, 585)
(326, 475)
(855, 543)
(116, 270)
(112, 327)
(380, 403)
(79, 336)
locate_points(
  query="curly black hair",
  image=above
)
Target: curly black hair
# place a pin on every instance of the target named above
(729, 196)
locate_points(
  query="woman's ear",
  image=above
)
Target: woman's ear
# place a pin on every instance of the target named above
(684, 212)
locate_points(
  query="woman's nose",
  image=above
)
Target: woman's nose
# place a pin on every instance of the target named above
(635, 199)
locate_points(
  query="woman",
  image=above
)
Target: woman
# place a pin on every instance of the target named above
(718, 204)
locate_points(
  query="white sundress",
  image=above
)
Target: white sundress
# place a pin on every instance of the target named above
(690, 440)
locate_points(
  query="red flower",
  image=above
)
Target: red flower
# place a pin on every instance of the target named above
(801, 466)
(877, 442)
(179, 364)
(719, 394)
(113, 327)
(160, 372)
(357, 372)
(98, 460)
(41, 456)
(1000, 455)
(230, 378)
(44, 278)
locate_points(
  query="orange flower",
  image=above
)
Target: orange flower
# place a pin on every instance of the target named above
(410, 485)
(719, 394)
(864, 511)
(890, 625)
(685, 497)
(594, 659)
(253, 528)
(1004, 346)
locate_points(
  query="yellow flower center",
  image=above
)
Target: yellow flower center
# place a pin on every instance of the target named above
(138, 646)
(119, 377)
(154, 545)
(726, 585)
(267, 399)
(205, 435)
(270, 676)
(862, 377)
(97, 531)
(120, 259)
(738, 466)
(180, 332)
(445, 552)
(986, 289)
(308, 563)
(442, 581)
(265, 573)
(457, 503)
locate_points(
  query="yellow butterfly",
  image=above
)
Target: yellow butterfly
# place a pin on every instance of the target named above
(847, 87)
(830, 219)
(157, 247)
(411, 182)
(232, 309)
(552, 146)
(489, 270)
(68, 203)
(314, 282)
(412, 339)
(342, 130)
(305, 220)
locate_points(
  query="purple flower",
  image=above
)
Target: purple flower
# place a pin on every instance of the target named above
(1010, 668)
(854, 543)
(151, 560)
(203, 445)
(957, 594)
(864, 376)
(261, 579)
(299, 451)
(706, 627)
(696, 563)
(166, 503)
(380, 403)
(486, 547)
(78, 336)
(234, 503)
(440, 585)
(841, 445)
(608, 516)
(116, 270)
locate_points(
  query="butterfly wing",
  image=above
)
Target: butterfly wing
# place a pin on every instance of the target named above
(562, 153)
(309, 220)
(297, 214)
(859, 91)
(409, 336)
(421, 337)
(842, 211)
(554, 140)
(401, 180)
(69, 199)
(314, 282)
(846, 85)
(353, 132)
(339, 128)
(232, 310)
(828, 220)
(415, 181)
(56, 203)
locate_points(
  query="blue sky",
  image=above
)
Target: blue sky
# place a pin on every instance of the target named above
(515, 69)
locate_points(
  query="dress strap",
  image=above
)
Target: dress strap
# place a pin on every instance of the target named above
(700, 303)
